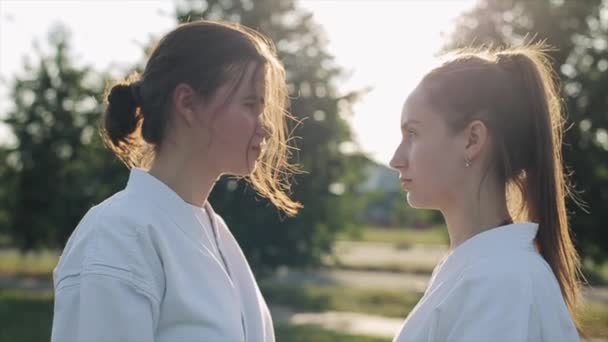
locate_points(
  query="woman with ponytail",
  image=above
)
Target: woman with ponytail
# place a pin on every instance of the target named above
(482, 136)
(154, 262)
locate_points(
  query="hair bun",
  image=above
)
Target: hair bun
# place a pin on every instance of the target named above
(121, 114)
(122, 95)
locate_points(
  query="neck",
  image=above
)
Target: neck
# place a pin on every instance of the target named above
(476, 213)
(191, 182)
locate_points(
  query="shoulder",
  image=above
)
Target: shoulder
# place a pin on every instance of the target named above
(114, 225)
(492, 281)
(228, 240)
(129, 208)
(113, 240)
(126, 216)
(219, 222)
(223, 230)
(217, 218)
(485, 292)
(504, 272)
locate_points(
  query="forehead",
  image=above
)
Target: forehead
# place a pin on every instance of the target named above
(415, 107)
(243, 80)
(252, 78)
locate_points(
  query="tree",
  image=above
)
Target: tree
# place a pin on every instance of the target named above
(331, 174)
(578, 30)
(5, 198)
(57, 169)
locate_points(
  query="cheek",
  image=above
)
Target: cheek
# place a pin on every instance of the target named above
(234, 129)
(434, 168)
(234, 135)
(426, 159)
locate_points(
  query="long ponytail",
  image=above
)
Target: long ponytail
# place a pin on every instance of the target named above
(515, 93)
(544, 186)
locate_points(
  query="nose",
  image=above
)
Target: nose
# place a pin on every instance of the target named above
(399, 160)
(265, 130)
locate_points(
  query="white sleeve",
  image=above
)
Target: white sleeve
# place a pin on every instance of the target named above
(102, 308)
(113, 310)
(113, 296)
(489, 307)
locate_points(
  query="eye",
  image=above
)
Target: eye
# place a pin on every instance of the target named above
(410, 133)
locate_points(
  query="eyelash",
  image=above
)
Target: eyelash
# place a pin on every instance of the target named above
(250, 105)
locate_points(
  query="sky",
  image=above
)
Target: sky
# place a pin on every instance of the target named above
(384, 45)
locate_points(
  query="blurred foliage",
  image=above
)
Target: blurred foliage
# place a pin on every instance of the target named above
(58, 168)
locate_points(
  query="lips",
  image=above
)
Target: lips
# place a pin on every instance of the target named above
(405, 182)
(259, 147)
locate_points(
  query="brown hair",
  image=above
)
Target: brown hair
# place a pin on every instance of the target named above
(515, 93)
(204, 55)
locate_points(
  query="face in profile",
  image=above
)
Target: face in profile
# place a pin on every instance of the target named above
(429, 157)
(233, 134)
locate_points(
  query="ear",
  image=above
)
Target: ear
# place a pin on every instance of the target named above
(476, 137)
(185, 102)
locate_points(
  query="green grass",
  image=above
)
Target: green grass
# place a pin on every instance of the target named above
(25, 315)
(394, 267)
(307, 333)
(397, 304)
(594, 319)
(313, 298)
(38, 264)
(401, 237)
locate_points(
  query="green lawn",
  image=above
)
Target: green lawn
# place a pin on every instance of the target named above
(402, 237)
(594, 320)
(389, 303)
(394, 267)
(307, 333)
(27, 315)
(312, 298)
(39, 264)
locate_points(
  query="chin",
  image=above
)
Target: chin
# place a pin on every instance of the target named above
(418, 203)
(243, 168)
(245, 171)
(238, 171)
(242, 173)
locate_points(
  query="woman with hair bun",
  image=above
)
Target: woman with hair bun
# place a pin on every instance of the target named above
(154, 262)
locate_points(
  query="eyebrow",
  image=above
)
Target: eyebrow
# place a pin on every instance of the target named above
(409, 123)
(253, 97)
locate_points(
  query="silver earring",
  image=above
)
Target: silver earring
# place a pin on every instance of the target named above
(467, 162)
